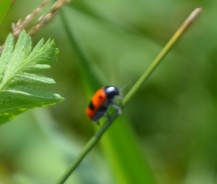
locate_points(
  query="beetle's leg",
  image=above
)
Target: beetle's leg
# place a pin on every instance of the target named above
(98, 123)
(119, 110)
(108, 116)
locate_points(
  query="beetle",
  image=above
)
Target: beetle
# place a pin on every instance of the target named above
(101, 100)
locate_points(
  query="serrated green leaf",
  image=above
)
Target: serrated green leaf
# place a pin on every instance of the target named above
(20, 85)
(37, 68)
(29, 78)
(6, 55)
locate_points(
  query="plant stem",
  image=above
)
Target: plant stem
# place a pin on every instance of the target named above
(92, 142)
(161, 55)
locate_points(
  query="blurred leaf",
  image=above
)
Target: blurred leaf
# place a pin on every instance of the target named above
(119, 143)
(20, 86)
(5, 6)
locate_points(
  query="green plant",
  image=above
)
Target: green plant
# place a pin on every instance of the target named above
(21, 87)
(93, 141)
(120, 144)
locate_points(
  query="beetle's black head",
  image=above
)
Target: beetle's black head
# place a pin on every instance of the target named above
(112, 91)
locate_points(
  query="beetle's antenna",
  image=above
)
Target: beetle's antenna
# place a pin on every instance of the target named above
(120, 90)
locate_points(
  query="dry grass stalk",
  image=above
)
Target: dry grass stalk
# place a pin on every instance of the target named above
(42, 21)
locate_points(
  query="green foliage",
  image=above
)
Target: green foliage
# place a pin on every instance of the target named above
(173, 117)
(5, 6)
(119, 142)
(20, 85)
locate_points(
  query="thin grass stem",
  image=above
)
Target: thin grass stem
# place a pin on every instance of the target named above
(85, 150)
(94, 140)
(161, 55)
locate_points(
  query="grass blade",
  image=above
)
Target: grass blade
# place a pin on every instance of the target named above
(117, 134)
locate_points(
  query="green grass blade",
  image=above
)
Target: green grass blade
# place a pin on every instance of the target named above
(161, 55)
(120, 145)
(127, 160)
(4, 7)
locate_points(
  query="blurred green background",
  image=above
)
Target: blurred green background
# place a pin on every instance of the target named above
(173, 118)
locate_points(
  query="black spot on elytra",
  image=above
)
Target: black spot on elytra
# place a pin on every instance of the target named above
(91, 106)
